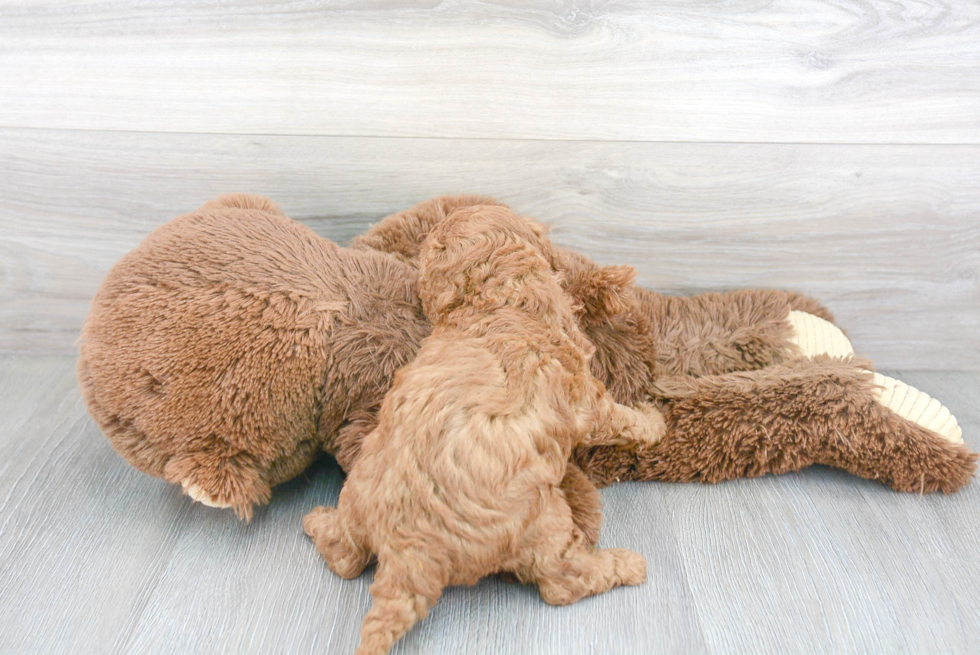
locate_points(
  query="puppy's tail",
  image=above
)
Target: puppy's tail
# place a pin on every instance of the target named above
(405, 588)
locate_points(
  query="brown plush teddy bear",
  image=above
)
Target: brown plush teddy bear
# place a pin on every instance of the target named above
(234, 345)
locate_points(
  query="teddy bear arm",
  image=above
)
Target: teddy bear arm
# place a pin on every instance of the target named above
(716, 333)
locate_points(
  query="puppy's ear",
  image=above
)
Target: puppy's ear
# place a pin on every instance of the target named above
(602, 292)
(539, 229)
(434, 243)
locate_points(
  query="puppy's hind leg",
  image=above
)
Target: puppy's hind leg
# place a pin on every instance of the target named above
(564, 568)
(329, 531)
(584, 502)
(405, 588)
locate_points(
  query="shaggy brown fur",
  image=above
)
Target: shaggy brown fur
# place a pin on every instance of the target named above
(668, 342)
(233, 345)
(823, 402)
(461, 478)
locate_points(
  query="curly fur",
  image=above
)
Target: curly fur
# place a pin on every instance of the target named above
(463, 476)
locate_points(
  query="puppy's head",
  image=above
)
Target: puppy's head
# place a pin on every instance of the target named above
(485, 256)
(599, 292)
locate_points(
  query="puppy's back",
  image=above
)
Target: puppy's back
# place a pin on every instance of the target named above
(483, 441)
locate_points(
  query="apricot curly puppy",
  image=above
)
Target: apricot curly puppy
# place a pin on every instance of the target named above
(461, 477)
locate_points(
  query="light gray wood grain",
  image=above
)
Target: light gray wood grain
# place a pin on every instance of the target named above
(98, 558)
(822, 562)
(71, 572)
(887, 236)
(847, 71)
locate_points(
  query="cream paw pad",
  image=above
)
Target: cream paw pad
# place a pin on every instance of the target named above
(816, 336)
(199, 495)
(918, 407)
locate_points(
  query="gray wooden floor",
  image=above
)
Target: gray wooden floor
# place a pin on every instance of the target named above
(98, 558)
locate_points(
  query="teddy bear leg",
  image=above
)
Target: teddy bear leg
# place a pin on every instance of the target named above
(813, 336)
(785, 418)
(901, 453)
(346, 445)
(217, 475)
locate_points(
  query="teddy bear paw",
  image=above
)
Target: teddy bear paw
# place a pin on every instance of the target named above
(199, 495)
(814, 336)
(917, 406)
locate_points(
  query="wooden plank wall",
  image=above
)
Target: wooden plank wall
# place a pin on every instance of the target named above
(829, 147)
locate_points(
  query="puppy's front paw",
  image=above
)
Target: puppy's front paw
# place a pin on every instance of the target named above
(648, 426)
